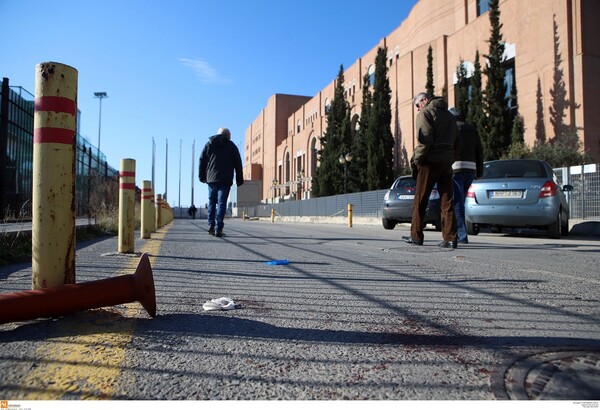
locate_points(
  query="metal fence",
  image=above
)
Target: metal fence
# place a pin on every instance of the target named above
(364, 204)
(584, 200)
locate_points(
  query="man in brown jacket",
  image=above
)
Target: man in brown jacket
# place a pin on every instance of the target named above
(439, 143)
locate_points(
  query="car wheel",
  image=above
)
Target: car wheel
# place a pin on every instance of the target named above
(388, 223)
(555, 227)
(564, 228)
(472, 229)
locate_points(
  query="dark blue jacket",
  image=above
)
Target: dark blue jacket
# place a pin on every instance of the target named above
(220, 158)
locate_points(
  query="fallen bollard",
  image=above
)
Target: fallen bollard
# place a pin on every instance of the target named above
(60, 300)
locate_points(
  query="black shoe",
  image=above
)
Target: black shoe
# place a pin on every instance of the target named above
(211, 230)
(448, 244)
(220, 234)
(412, 241)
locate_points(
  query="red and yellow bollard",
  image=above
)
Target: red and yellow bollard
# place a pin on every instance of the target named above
(53, 204)
(159, 211)
(153, 209)
(147, 213)
(127, 206)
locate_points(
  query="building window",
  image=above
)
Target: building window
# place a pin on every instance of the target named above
(327, 105)
(298, 125)
(511, 86)
(482, 6)
(371, 73)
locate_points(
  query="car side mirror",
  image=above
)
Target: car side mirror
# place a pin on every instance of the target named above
(567, 188)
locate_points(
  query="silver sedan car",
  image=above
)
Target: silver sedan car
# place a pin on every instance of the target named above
(517, 193)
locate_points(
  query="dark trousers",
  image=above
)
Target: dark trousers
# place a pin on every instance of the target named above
(217, 204)
(462, 181)
(429, 174)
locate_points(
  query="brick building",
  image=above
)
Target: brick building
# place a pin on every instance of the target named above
(551, 45)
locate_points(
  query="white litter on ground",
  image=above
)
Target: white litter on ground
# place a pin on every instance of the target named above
(219, 304)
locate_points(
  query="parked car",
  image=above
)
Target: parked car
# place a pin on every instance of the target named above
(517, 193)
(398, 204)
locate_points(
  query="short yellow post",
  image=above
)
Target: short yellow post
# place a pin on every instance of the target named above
(349, 215)
(127, 206)
(153, 210)
(272, 215)
(158, 211)
(53, 202)
(147, 213)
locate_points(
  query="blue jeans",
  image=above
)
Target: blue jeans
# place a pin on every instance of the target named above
(461, 181)
(217, 201)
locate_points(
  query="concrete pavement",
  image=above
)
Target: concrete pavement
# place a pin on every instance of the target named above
(356, 314)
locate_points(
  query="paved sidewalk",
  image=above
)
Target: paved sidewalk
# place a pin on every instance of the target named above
(356, 314)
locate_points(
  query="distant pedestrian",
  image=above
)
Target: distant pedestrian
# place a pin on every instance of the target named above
(192, 211)
(431, 163)
(467, 167)
(219, 160)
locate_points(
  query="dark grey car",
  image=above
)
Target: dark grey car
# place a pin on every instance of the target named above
(398, 204)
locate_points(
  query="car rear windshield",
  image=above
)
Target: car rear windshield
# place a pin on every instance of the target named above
(513, 169)
(403, 183)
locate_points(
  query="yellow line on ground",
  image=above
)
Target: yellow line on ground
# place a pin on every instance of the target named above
(85, 360)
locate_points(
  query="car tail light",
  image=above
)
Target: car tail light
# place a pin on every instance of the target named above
(549, 189)
(434, 194)
(471, 192)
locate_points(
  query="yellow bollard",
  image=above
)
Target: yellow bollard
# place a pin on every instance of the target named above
(147, 213)
(127, 206)
(152, 215)
(158, 211)
(53, 202)
(349, 215)
(272, 215)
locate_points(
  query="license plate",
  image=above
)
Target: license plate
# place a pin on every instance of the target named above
(405, 197)
(506, 194)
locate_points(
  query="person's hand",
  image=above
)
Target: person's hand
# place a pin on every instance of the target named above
(415, 171)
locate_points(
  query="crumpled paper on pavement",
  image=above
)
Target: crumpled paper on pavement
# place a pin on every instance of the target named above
(219, 304)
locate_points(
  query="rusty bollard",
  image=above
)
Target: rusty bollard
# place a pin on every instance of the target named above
(53, 200)
(127, 206)
(71, 298)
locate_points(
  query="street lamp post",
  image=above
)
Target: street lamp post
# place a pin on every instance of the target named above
(275, 183)
(345, 159)
(100, 95)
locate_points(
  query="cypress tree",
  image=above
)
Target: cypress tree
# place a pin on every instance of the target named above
(358, 166)
(329, 176)
(429, 87)
(475, 113)
(461, 90)
(380, 141)
(497, 129)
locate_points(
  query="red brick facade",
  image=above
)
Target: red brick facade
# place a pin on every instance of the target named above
(550, 41)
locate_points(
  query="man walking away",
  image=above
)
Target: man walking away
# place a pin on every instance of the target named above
(438, 144)
(468, 166)
(220, 158)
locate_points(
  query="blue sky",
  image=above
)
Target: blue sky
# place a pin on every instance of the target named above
(178, 70)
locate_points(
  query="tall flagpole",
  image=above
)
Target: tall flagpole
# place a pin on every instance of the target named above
(166, 170)
(193, 158)
(179, 195)
(153, 167)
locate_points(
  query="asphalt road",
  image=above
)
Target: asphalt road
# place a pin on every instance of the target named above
(356, 314)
